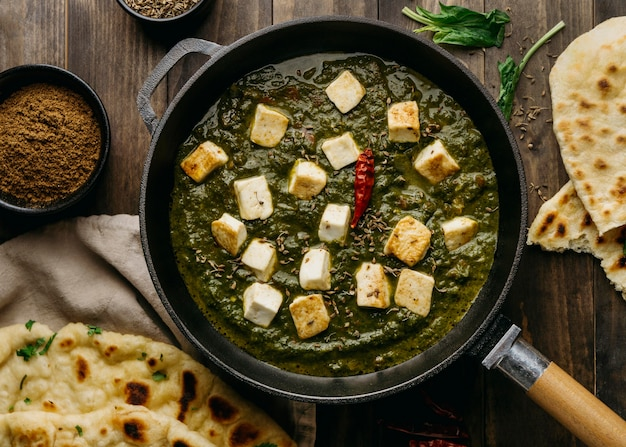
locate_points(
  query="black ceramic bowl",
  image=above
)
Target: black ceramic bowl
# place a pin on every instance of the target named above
(187, 17)
(17, 78)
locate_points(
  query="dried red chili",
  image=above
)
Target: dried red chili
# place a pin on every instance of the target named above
(363, 184)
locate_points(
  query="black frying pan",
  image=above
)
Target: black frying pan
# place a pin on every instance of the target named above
(482, 332)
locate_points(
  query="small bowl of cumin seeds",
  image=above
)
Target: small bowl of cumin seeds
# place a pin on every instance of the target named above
(54, 139)
(173, 14)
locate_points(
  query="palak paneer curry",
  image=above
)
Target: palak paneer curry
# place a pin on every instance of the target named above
(263, 211)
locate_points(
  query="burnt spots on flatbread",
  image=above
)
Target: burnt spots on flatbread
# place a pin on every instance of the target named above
(244, 434)
(586, 222)
(110, 350)
(599, 164)
(221, 410)
(179, 443)
(82, 369)
(137, 393)
(561, 229)
(135, 429)
(66, 343)
(48, 405)
(547, 222)
(619, 189)
(189, 393)
(604, 86)
(621, 139)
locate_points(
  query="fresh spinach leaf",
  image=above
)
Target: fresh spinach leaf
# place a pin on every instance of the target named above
(510, 72)
(456, 25)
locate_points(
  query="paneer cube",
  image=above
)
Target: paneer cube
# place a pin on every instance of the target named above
(435, 163)
(334, 223)
(403, 122)
(306, 180)
(261, 303)
(315, 270)
(414, 291)
(409, 241)
(310, 315)
(260, 258)
(254, 198)
(458, 231)
(229, 233)
(203, 160)
(345, 91)
(341, 151)
(372, 287)
(268, 126)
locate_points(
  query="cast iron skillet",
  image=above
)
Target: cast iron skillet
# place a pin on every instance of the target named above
(481, 331)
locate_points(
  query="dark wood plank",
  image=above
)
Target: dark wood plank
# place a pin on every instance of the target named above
(292, 9)
(32, 33)
(115, 56)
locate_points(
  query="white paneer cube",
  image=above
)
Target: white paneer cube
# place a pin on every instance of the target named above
(409, 241)
(306, 180)
(345, 91)
(229, 233)
(414, 291)
(268, 126)
(372, 287)
(334, 223)
(310, 315)
(261, 303)
(458, 231)
(341, 151)
(203, 160)
(435, 163)
(315, 270)
(260, 258)
(403, 122)
(254, 198)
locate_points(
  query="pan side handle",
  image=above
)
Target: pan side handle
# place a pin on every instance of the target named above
(556, 392)
(178, 51)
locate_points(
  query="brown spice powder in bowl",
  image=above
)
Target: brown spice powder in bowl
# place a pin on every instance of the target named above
(54, 139)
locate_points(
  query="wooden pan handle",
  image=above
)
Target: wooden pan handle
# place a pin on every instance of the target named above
(577, 409)
(556, 392)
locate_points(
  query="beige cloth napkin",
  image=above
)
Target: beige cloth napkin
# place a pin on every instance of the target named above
(92, 270)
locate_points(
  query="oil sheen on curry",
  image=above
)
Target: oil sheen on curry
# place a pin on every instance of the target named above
(334, 214)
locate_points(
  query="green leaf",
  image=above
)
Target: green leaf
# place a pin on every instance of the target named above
(29, 324)
(456, 25)
(158, 376)
(28, 351)
(510, 73)
(45, 349)
(93, 330)
(79, 430)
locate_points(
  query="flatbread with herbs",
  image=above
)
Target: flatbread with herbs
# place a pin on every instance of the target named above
(82, 369)
(588, 90)
(113, 426)
(563, 223)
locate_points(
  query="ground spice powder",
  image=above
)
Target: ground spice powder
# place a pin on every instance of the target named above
(50, 142)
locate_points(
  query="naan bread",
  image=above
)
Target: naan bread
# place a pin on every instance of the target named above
(563, 223)
(83, 372)
(123, 426)
(588, 90)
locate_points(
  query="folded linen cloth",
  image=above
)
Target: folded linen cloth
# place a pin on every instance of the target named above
(92, 270)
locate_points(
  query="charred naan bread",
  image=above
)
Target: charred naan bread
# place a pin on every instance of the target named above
(123, 426)
(85, 369)
(563, 223)
(588, 90)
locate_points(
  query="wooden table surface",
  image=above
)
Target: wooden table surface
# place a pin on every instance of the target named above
(563, 302)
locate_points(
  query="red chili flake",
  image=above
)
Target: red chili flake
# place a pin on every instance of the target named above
(363, 184)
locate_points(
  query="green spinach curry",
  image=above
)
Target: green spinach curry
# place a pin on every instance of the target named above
(358, 340)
